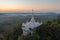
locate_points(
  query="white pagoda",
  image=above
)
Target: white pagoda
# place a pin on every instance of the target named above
(30, 25)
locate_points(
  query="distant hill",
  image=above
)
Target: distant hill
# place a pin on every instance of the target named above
(58, 16)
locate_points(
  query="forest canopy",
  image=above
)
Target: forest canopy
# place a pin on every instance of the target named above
(47, 31)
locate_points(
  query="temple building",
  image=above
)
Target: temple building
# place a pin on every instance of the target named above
(26, 27)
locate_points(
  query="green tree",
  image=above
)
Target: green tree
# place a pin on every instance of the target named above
(16, 32)
(49, 31)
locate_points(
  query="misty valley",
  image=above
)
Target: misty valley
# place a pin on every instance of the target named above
(8, 21)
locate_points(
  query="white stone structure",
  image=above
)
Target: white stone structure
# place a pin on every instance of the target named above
(30, 25)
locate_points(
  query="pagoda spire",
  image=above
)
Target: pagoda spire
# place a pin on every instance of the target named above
(32, 13)
(32, 19)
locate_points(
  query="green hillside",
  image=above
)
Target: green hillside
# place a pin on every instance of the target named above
(47, 31)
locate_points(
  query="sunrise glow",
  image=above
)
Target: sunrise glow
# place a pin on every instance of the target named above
(27, 5)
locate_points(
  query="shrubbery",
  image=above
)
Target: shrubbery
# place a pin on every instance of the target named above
(47, 31)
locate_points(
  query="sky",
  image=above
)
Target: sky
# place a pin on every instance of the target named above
(28, 5)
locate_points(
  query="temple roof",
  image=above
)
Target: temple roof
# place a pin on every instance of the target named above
(31, 24)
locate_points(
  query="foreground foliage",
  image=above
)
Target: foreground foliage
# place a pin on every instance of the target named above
(47, 31)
